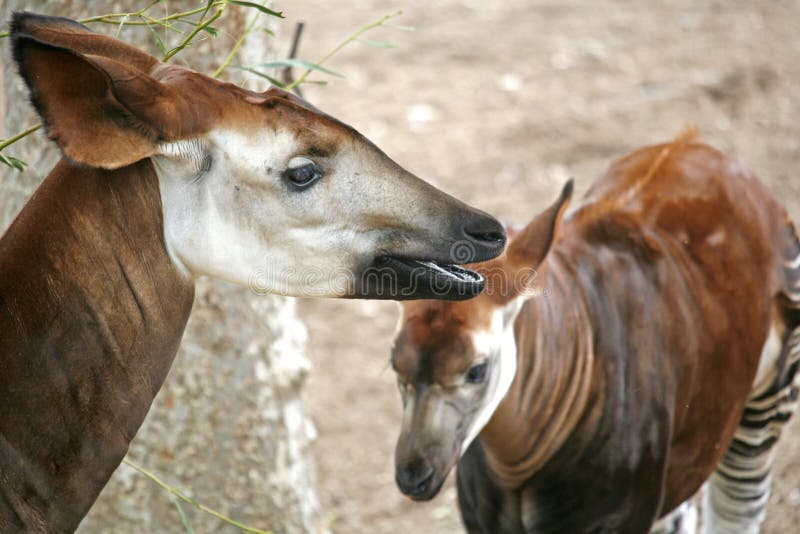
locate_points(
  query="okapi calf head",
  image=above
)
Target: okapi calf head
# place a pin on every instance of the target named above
(456, 360)
(256, 188)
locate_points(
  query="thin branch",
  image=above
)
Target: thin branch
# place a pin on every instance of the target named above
(288, 73)
(113, 18)
(188, 39)
(12, 140)
(182, 496)
(237, 45)
(358, 33)
(107, 19)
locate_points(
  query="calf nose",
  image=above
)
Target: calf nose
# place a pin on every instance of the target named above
(487, 236)
(414, 477)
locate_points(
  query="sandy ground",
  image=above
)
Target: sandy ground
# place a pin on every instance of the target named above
(499, 103)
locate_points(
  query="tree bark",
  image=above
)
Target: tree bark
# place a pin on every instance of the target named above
(229, 426)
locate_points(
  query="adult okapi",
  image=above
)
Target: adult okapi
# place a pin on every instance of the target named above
(168, 175)
(619, 358)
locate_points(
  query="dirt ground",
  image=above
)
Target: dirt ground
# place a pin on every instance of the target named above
(499, 103)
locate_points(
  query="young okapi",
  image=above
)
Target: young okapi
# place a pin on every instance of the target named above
(168, 175)
(618, 359)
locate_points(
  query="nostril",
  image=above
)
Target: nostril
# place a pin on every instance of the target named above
(422, 485)
(414, 478)
(486, 230)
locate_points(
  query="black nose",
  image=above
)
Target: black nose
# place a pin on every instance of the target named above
(414, 477)
(487, 236)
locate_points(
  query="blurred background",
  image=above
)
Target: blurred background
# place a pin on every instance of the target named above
(498, 103)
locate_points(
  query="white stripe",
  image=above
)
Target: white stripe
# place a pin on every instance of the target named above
(684, 517)
(763, 404)
(727, 504)
(506, 365)
(793, 264)
(770, 352)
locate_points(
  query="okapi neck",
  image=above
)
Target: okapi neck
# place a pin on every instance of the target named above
(92, 311)
(550, 394)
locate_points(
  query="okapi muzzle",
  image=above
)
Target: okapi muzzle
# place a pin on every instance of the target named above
(435, 423)
(455, 361)
(169, 175)
(260, 189)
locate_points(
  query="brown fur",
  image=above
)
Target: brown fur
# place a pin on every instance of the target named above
(86, 249)
(635, 363)
(92, 307)
(109, 104)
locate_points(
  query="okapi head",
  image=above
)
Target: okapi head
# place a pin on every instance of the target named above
(455, 361)
(256, 188)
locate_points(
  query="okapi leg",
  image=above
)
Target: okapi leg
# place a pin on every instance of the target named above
(735, 499)
(682, 520)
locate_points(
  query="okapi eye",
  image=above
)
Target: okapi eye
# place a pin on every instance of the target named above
(302, 172)
(476, 373)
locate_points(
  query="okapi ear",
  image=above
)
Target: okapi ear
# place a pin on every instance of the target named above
(66, 33)
(99, 110)
(530, 246)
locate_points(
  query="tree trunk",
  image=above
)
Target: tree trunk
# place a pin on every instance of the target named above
(229, 426)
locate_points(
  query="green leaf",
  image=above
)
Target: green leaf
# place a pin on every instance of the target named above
(11, 161)
(317, 82)
(121, 24)
(205, 11)
(157, 39)
(184, 518)
(210, 30)
(270, 79)
(378, 44)
(299, 63)
(259, 7)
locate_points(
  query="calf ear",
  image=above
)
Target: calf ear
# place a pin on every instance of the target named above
(530, 246)
(101, 112)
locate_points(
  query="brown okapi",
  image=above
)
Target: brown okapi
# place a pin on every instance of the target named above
(168, 175)
(619, 358)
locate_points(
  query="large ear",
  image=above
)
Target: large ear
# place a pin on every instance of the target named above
(530, 246)
(102, 111)
(66, 33)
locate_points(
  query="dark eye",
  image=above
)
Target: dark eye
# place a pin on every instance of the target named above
(302, 172)
(476, 373)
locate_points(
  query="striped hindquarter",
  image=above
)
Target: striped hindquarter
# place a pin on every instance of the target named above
(735, 497)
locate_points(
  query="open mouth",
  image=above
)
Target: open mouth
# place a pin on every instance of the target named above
(397, 278)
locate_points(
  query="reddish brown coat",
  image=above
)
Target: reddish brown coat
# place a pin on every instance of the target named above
(635, 361)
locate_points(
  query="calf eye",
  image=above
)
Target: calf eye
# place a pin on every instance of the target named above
(477, 373)
(302, 172)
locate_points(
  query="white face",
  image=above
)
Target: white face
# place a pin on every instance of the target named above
(498, 347)
(238, 207)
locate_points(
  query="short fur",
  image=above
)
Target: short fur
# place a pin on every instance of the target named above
(635, 365)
